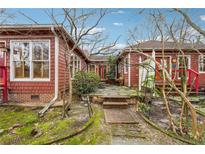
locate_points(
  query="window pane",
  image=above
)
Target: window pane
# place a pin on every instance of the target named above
(22, 69)
(92, 68)
(21, 51)
(78, 64)
(40, 50)
(182, 64)
(71, 71)
(41, 69)
(18, 70)
(126, 65)
(202, 64)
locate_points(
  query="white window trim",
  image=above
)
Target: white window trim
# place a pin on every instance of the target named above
(31, 79)
(199, 57)
(5, 62)
(189, 62)
(73, 64)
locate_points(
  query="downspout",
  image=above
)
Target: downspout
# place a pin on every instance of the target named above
(40, 113)
(154, 65)
(56, 64)
(129, 69)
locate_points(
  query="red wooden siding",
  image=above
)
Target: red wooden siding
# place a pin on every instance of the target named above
(62, 67)
(134, 71)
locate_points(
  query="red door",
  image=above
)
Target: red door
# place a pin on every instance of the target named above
(167, 65)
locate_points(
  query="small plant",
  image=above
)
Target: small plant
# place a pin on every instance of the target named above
(85, 82)
(145, 108)
(112, 64)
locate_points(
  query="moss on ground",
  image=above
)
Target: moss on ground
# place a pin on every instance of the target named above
(50, 127)
(98, 133)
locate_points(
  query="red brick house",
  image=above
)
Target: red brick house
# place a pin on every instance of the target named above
(129, 60)
(32, 64)
(34, 57)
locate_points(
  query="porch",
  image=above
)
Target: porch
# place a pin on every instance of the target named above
(151, 75)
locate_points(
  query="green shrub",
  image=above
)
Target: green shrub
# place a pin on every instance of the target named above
(112, 63)
(85, 82)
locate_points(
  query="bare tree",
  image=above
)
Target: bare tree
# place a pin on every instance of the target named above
(190, 22)
(77, 23)
(177, 32)
(5, 16)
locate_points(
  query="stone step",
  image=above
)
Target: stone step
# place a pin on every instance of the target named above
(109, 105)
(114, 98)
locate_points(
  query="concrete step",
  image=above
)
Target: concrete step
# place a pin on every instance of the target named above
(109, 105)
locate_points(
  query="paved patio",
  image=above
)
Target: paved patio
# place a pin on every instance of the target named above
(113, 90)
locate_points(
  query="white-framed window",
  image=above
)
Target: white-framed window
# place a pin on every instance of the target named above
(2, 44)
(92, 68)
(119, 68)
(30, 60)
(181, 65)
(126, 65)
(201, 63)
(2, 53)
(187, 59)
(75, 65)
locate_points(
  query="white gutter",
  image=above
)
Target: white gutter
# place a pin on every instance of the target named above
(129, 70)
(56, 74)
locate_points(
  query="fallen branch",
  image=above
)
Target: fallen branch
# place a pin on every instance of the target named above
(47, 106)
(197, 110)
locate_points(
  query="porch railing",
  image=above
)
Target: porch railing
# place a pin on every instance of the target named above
(3, 83)
(193, 77)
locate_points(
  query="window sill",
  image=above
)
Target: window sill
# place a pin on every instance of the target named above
(30, 80)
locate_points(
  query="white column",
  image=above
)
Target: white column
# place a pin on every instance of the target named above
(140, 73)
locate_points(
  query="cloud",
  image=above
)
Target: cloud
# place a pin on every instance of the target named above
(120, 46)
(202, 17)
(118, 24)
(93, 31)
(97, 30)
(118, 12)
